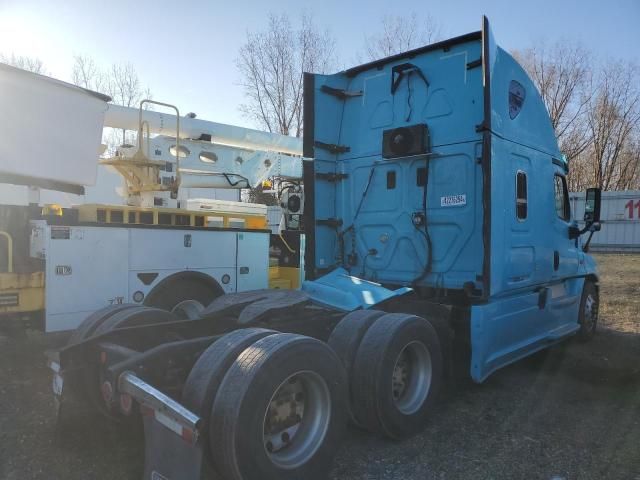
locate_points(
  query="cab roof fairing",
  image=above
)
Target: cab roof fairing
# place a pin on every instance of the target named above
(532, 125)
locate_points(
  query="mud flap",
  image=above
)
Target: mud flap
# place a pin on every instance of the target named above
(71, 408)
(168, 456)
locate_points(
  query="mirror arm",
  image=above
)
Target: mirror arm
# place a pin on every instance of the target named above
(585, 247)
(593, 227)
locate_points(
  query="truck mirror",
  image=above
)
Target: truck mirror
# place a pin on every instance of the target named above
(592, 205)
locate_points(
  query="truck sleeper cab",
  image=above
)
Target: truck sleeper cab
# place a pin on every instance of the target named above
(437, 227)
(439, 169)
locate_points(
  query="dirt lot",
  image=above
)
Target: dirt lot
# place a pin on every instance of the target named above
(573, 413)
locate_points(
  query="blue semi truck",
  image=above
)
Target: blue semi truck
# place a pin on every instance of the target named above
(439, 239)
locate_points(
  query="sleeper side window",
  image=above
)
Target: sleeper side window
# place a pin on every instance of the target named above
(563, 209)
(517, 94)
(521, 195)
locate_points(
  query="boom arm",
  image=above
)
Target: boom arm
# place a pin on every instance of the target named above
(209, 165)
(194, 128)
(208, 154)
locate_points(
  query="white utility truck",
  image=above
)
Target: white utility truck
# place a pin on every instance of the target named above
(62, 264)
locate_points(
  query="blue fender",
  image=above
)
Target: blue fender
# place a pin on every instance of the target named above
(345, 292)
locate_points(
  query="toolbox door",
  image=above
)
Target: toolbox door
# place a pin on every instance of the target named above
(86, 269)
(252, 261)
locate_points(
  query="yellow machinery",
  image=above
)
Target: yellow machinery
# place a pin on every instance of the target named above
(284, 277)
(170, 217)
(285, 260)
(20, 293)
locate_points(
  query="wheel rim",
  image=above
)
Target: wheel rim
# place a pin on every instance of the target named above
(411, 379)
(296, 419)
(188, 310)
(590, 313)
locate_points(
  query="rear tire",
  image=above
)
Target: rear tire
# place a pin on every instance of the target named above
(92, 373)
(188, 310)
(280, 411)
(345, 340)
(88, 326)
(588, 313)
(134, 317)
(90, 399)
(209, 370)
(397, 375)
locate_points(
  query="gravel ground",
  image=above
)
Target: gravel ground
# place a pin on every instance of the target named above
(572, 413)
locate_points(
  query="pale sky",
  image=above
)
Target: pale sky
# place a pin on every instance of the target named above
(185, 51)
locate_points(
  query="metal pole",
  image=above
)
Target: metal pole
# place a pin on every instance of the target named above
(9, 251)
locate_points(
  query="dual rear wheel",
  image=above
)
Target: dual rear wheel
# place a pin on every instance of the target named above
(394, 362)
(274, 404)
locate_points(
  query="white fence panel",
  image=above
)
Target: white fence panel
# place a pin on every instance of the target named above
(620, 217)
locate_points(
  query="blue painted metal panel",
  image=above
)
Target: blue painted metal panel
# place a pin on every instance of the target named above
(377, 239)
(344, 292)
(531, 126)
(510, 328)
(536, 271)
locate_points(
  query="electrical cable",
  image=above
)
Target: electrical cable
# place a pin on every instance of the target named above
(429, 263)
(364, 265)
(364, 194)
(353, 222)
(409, 97)
(228, 179)
(372, 251)
(286, 244)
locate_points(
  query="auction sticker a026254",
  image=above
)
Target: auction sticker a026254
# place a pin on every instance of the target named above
(453, 200)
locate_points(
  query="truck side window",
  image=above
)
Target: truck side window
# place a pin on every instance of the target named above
(521, 195)
(563, 209)
(391, 180)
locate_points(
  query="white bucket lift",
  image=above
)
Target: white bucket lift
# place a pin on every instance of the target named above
(51, 131)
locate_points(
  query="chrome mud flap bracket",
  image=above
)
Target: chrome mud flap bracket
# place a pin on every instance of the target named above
(171, 432)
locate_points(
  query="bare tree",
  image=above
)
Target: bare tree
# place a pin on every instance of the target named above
(32, 64)
(125, 88)
(87, 74)
(562, 73)
(594, 110)
(630, 161)
(613, 120)
(271, 64)
(402, 33)
(120, 82)
(124, 85)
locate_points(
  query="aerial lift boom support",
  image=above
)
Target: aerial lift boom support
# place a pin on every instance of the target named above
(206, 154)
